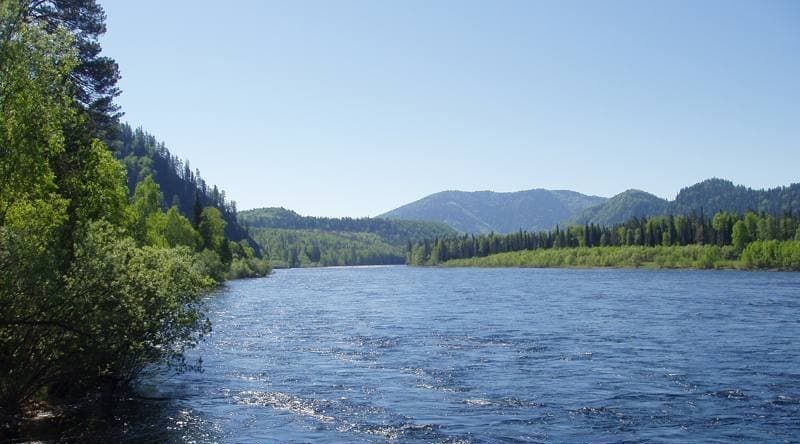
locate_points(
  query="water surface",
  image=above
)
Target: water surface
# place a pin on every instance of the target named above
(492, 355)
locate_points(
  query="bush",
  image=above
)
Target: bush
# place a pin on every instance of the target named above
(208, 263)
(690, 256)
(117, 309)
(248, 268)
(772, 254)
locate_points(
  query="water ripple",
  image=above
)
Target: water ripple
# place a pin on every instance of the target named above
(396, 354)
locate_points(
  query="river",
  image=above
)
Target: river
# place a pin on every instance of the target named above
(400, 354)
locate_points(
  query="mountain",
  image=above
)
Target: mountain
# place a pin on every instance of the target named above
(709, 196)
(488, 211)
(144, 156)
(288, 239)
(713, 195)
(620, 208)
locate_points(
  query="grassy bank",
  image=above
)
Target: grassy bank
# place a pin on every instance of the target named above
(757, 255)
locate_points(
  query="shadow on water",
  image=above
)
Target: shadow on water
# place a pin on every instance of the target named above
(128, 418)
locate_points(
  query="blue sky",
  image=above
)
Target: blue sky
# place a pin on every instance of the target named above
(352, 108)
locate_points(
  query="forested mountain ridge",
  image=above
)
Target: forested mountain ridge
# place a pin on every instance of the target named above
(620, 208)
(709, 196)
(715, 194)
(489, 211)
(143, 155)
(393, 231)
(288, 239)
(292, 248)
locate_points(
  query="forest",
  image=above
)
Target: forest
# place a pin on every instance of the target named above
(182, 187)
(725, 240)
(287, 248)
(100, 278)
(290, 240)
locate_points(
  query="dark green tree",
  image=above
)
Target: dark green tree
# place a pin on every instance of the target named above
(95, 76)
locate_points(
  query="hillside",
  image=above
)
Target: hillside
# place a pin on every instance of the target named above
(709, 196)
(620, 208)
(143, 155)
(288, 239)
(713, 195)
(488, 211)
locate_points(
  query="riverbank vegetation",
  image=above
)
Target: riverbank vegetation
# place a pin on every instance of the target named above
(726, 240)
(96, 283)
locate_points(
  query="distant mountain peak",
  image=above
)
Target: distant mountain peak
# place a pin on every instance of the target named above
(492, 211)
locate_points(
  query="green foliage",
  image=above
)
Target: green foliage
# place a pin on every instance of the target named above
(153, 227)
(308, 248)
(740, 236)
(147, 198)
(290, 240)
(712, 195)
(208, 263)
(143, 156)
(692, 256)
(132, 306)
(93, 76)
(774, 254)
(92, 288)
(728, 231)
(179, 231)
(396, 232)
(148, 223)
(34, 106)
(722, 195)
(212, 229)
(244, 263)
(623, 206)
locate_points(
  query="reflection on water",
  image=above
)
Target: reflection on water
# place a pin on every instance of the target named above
(442, 355)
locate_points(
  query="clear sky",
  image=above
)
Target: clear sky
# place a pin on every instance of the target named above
(352, 108)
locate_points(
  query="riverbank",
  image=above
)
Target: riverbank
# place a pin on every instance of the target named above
(758, 255)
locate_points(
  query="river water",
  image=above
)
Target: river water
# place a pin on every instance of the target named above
(401, 354)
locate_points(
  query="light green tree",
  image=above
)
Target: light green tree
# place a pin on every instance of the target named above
(80, 303)
(34, 108)
(179, 231)
(740, 236)
(212, 229)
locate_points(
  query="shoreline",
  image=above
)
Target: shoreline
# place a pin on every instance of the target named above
(690, 257)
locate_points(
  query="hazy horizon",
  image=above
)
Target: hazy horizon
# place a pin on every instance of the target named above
(355, 108)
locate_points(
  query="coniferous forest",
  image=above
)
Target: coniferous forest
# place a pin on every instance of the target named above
(181, 186)
(725, 240)
(101, 274)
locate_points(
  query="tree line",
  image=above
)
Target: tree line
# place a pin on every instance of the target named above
(723, 229)
(290, 248)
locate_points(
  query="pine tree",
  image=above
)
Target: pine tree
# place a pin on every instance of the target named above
(197, 211)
